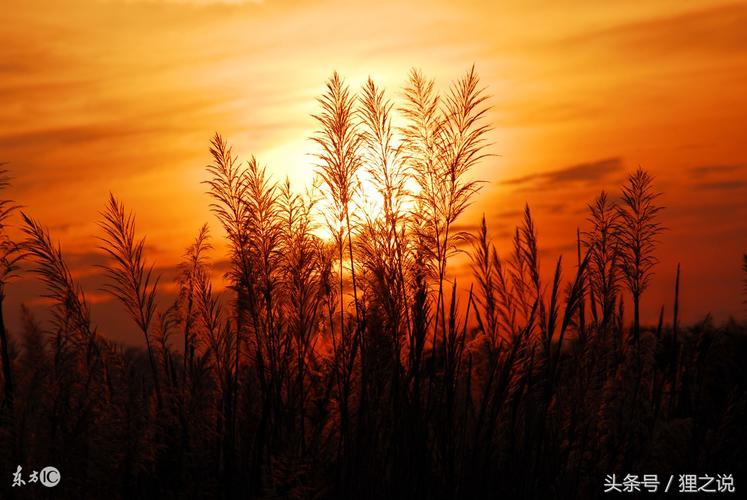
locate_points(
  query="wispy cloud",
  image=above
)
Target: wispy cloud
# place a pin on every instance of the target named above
(583, 174)
(713, 170)
(722, 185)
(716, 29)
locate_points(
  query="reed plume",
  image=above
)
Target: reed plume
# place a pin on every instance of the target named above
(302, 281)
(75, 336)
(603, 243)
(494, 321)
(71, 313)
(131, 280)
(446, 138)
(189, 273)
(639, 228)
(340, 162)
(384, 246)
(228, 190)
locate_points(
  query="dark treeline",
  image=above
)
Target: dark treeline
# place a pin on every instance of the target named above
(354, 366)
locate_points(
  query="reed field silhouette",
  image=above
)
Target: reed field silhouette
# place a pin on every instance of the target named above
(345, 360)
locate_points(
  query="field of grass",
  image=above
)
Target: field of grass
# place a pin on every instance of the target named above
(351, 365)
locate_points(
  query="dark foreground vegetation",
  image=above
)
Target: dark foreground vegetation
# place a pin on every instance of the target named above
(353, 366)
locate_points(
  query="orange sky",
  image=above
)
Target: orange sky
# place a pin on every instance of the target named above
(125, 95)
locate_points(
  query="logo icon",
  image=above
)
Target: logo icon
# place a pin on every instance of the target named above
(49, 477)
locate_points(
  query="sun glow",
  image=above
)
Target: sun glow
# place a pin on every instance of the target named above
(123, 97)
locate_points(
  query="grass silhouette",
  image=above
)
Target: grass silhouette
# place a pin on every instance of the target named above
(353, 367)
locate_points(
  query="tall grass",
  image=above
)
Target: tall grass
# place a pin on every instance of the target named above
(356, 366)
(10, 255)
(603, 242)
(130, 279)
(192, 271)
(638, 231)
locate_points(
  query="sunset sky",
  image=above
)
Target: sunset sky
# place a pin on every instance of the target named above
(124, 96)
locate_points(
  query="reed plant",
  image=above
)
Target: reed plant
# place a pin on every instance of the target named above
(357, 365)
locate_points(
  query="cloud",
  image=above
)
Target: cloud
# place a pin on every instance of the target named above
(465, 227)
(717, 177)
(65, 136)
(555, 251)
(527, 112)
(583, 174)
(714, 30)
(553, 208)
(508, 214)
(721, 185)
(708, 170)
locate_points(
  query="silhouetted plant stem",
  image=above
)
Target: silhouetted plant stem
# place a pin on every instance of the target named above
(8, 395)
(582, 300)
(10, 255)
(130, 281)
(639, 227)
(674, 366)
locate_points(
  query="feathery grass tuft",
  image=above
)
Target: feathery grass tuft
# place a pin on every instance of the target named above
(130, 279)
